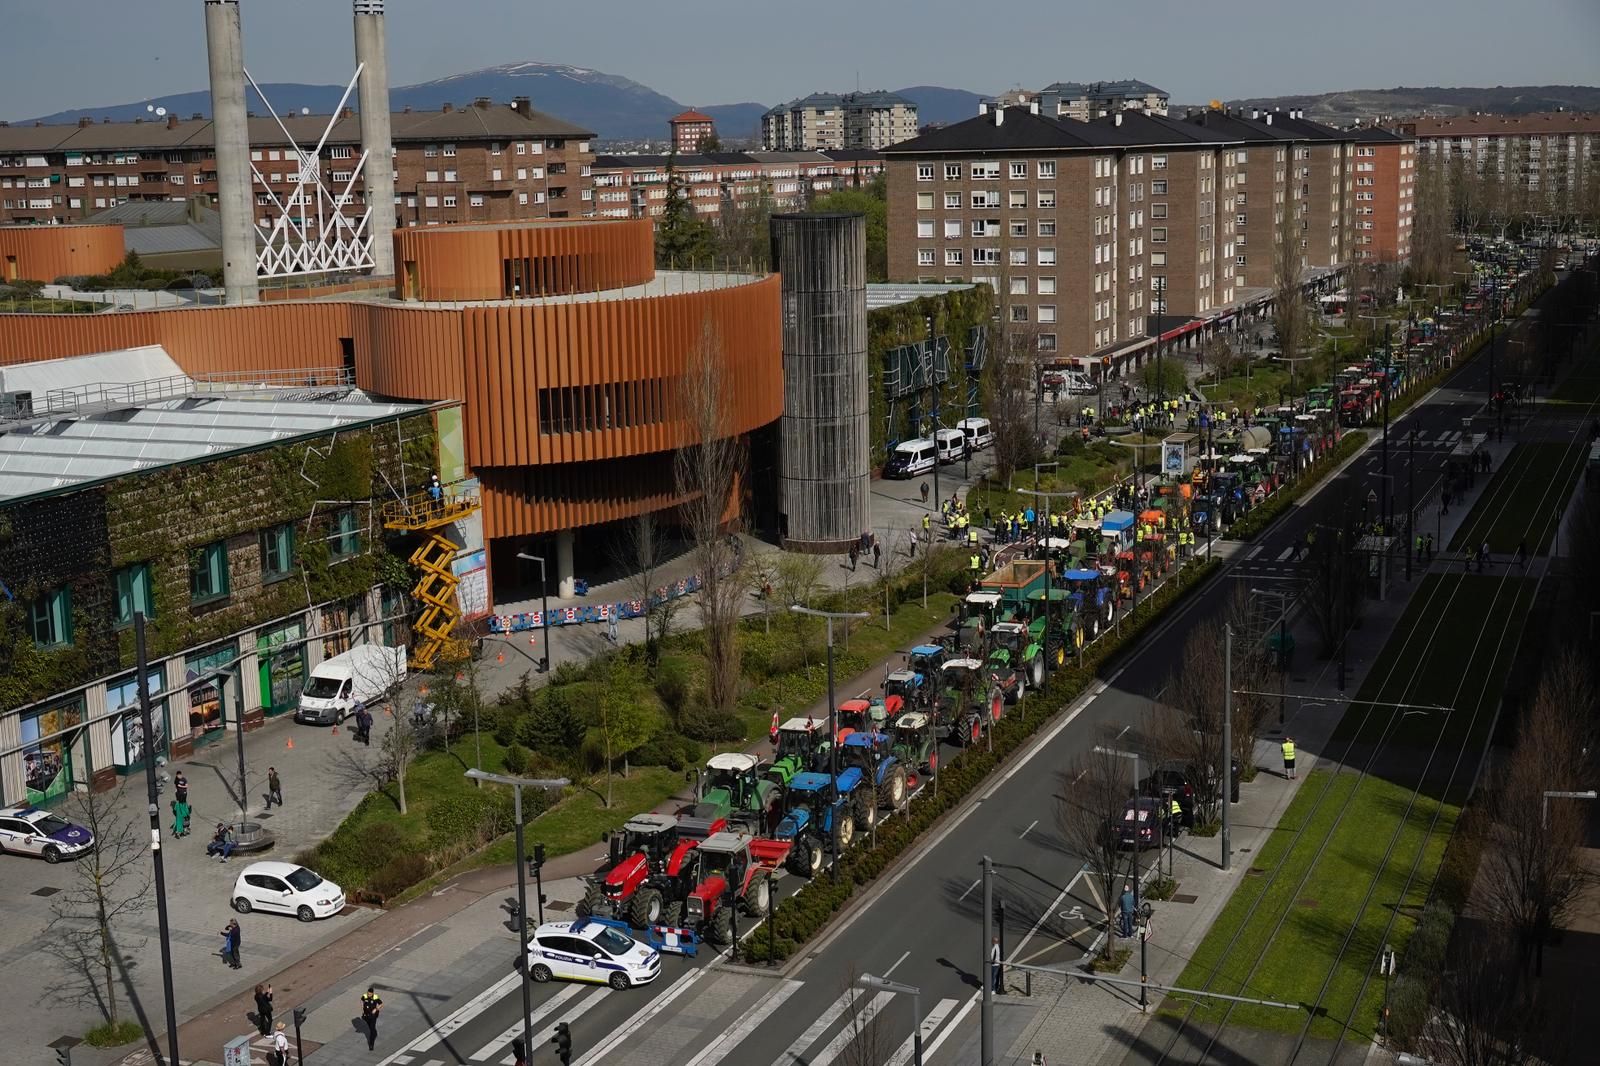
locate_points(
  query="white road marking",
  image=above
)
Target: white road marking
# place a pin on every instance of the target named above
(955, 1023)
(1257, 550)
(968, 892)
(1283, 557)
(817, 1028)
(464, 1014)
(857, 1026)
(896, 965)
(639, 1020)
(930, 1024)
(724, 1044)
(1025, 832)
(499, 1043)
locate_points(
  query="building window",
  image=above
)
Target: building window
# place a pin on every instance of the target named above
(1158, 235)
(1047, 257)
(450, 201)
(1019, 286)
(346, 539)
(1047, 227)
(1047, 286)
(208, 573)
(476, 199)
(952, 172)
(925, 201)
(952, 257)
(1158, 210)
(952, 229)
(449, 149)
(1019, 257)
(925, 257)
(428, 151)
(1019, 227)
(1047, 168)
(985, 171)
(1158, 188)
(952, 201)
(1017, 200)
(1158, 162)
(1047, 342)
(1047, 313)
(277, 552)
(924, 171)
(1019, 171)
(51, 617)
(133, 594)
(1019, 313)
(1047, 200)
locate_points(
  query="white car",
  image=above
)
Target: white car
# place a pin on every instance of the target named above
(30, 831)
(591, 949)
(284, 888)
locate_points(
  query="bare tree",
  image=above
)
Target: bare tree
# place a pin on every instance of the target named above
(1533, 869)
(1089, 803)
(708, 473)
(641, 557)
(761, 577)
(1482, 1010)
(1290, 312)
(1433, 232)
(1334, 573)
(110, 884)
(1012, 371)
(398, 747)
(1187, 728)
(797, 579)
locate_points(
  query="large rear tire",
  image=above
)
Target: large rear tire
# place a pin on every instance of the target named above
(847, 831)
(894, 789)
(757, 898)
(720, 931)
(593, 901)
(866, 809)
(644, 910)
(1035, 673)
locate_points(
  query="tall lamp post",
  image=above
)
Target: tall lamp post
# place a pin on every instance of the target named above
(882, 984)
(142, 668)
(833, 706)
(517, 785)
(544, 611)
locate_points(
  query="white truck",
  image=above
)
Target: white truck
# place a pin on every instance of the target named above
(339, 686)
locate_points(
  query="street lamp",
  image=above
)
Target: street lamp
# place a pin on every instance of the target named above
(883, 984)
(544, 612)
(142, 673)
(517, 785)
(833, 707)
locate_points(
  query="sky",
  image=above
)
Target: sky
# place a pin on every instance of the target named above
(727, 51)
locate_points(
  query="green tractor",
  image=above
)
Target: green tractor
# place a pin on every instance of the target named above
(730, 790)
(1052, 623)
(1016, 660)
(969, 703)
(801, 745)
(915, 745)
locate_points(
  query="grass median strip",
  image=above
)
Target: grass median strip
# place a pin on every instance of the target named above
(1523, 497)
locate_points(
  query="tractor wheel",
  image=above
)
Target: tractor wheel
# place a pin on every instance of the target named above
(1019, 690)
(974, 729)
(865, 814)
(847, 831)
(1060, 655)
(894, 789)
(1036, 673)
(1110, 615)
(757, 898)
(1077, 638)
(644, 910)
(593, 901)
(1094, 626)
(720, 931)
(997, 706)
(672, 915)
(804, 860)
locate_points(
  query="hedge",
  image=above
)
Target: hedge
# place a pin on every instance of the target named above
(801, 916)
(1268, 511)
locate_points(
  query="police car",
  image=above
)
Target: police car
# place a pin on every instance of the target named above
(30, 831)
(591, 949)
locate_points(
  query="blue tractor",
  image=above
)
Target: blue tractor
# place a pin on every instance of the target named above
(873, 754)
(820, 811)
(1094, 601)
(925, 660)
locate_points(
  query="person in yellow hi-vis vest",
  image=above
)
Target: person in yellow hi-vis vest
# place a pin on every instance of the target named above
(1288, 757)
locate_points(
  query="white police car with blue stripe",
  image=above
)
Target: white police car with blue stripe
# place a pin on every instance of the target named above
(591, 949)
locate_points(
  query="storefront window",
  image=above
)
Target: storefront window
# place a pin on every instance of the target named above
(205, 698)
(128, 749)
(47, 738)
(283, 667)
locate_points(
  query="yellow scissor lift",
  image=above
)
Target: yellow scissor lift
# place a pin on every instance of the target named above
(435, 591)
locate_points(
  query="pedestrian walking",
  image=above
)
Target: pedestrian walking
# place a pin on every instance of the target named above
(924, 492)
(1444, 500)
(364, 726)
(1125, 905)
(274, 788)
(264, 1009)
(611, 627)
(280, 1047)
(877, 556)
(180, 787)
(1288, 758)
(996, 974)
(180, 818)
(230, 943)
(855, 552)
(1483, 558)
(370, 1006)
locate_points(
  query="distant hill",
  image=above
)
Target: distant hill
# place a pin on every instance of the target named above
(286, 96)
(734, 121)
(941, 105)
(1343, 108)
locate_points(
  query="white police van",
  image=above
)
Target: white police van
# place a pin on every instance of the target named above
(591, 949)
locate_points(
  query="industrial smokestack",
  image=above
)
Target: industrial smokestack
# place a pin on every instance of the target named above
(225, 53)
(372, 51)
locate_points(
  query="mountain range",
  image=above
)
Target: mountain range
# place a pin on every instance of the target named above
(620, 109)
(614, 107)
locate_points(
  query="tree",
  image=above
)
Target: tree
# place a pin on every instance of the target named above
(1433, 230)
(1290, 312)
(744, 234)
(708, 471)
(1533, 869)
(109, 886)
(1089, 803)
(868, 1039)
(709, 143)
(1484, 1008)
(872, 201)
(1012, 370)
(624, 720)
(684, 240)
(1335, 572)
(797, 577)
(641, 556)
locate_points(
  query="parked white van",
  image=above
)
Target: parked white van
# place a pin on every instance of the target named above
(952, 443)
(979, 432)
(338, 686)
(910, 458)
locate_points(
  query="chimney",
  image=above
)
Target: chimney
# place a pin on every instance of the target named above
(447, 108)
(999, 116)
(1033, 107)
(85, 122)
(521, 105)
(172, 122)
(1116, 120)
(482, 103)
(372, 53)
(1269, 118)
(1255, 113)
(983, 107)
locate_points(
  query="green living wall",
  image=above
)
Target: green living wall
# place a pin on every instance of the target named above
(955, 314)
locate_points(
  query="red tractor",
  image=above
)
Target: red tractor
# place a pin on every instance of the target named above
(644, 874)
(731, 875)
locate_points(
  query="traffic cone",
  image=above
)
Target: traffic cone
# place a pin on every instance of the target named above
(388, 711)
(335, 730)
(499, 656)
(290, 744)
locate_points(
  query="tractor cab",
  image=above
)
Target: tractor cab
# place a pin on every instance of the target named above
(925, 660)
(1093, 601)
(730, 876)
(968, 700)
(979, 612)
(914, 743)
(1052, 622)
(1016, 660)
(731, 787)
(904, 686)
(801, 746)
(860, 714)
(1117, 528)
(873, 754)
(816, 807)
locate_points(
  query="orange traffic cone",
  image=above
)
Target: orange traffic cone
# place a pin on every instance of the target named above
(388, 711)
(335, 730)
(291, 744)
(499, 656)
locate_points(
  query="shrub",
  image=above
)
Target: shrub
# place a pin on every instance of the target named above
(515, 758)
(1071, 444)
(398, 874)
(672, 750)
(674, 679)
(113, 1034)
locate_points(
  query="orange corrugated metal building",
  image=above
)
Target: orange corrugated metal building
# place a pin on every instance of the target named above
(570, 387)
(44, 253)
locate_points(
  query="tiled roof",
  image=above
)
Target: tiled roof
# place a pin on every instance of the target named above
(1547, 122)
(1126, 87)
(690, 116)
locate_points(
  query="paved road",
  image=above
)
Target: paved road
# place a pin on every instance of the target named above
(923, 926)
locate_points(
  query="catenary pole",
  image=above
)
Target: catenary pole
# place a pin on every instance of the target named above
(142, 666)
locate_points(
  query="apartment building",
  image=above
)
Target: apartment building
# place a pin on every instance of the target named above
(690, 130)
(1385, 176)
(1088, 229)
(822, 122)
(1085, 101)
(1539, 163)
(479, 163)
(635, 186)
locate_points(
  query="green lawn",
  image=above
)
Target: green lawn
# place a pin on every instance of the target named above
(1523, 497)
(1582, 386)
(1324, 900)
(577, 821)
(1086, 470)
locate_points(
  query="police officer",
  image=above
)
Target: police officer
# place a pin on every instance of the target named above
(370, 1006)
(1174, 815)
(972, 539)
(975, 565)
(927, 526)
(1288, 757)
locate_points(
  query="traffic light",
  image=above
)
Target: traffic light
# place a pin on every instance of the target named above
(538, 856)
(563, 1042)
(299, 1018)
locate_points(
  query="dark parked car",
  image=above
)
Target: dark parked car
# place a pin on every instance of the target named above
(1142, 824)
(1184, 781)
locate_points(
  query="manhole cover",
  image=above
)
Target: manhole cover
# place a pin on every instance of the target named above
(1308, 903)
(263, 817)
(1184, 897)
(47, 891)
(558, 905)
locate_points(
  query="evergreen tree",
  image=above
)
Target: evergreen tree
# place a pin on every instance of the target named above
(683, 239)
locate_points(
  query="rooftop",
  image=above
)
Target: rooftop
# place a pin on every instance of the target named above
(888, 295)
(1021, 128)
(1550, 122)
(690, 116)
(140, 417)
(1126, 87)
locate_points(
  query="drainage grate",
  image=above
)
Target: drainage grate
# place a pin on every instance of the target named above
(263, 816)
(1184, 897)
(47, 891)
(558, 905)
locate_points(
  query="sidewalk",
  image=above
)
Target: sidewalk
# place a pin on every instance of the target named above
(1072, 1020)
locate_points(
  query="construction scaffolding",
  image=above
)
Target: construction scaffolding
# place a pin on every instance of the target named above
(435, 590)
